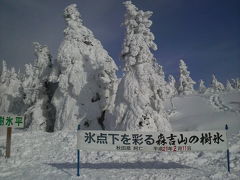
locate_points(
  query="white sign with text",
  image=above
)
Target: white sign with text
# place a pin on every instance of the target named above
(151, 141)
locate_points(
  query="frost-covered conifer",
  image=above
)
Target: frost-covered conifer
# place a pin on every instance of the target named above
(86, 79)
(9, 91)
(171, 86)
(216, 86)
(234, 83)
(37, 74)
(163, 85)
(185, 81)
(138, 104)
(4, 73)
(237, 83)
(202, 88)
(43, 63)
(229, 86)
(36, 90)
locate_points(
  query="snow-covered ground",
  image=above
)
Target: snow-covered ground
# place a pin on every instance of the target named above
(39, 155)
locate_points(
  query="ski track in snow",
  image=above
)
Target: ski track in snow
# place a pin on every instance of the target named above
(218, 104)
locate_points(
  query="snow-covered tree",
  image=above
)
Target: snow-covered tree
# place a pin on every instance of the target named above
(216, 86)
(171, 86)
(229, 86)
(43, 63)
(138, 104)
(235, 83)
(4, 72)
(10, 100)
(202, 88)
(185, 81)
(163, 85)
(36, 91)
(87, 79)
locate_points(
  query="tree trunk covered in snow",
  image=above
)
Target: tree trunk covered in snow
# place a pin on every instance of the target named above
(138, 104)
(87, 79)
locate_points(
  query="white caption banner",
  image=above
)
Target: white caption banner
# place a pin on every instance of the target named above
(152, 141)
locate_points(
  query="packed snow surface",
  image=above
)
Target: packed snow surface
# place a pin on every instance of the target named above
(39, 155)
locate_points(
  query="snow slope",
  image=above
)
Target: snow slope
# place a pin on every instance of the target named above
(206, 112)
(41, 155)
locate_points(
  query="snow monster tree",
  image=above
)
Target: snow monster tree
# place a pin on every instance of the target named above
(10, 98)
(202, 88)
(86, 81)
(138, 104)
(37, 91)
(185, 81)
(216, 86)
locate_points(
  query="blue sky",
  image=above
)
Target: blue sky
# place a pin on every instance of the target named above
(205, 33)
